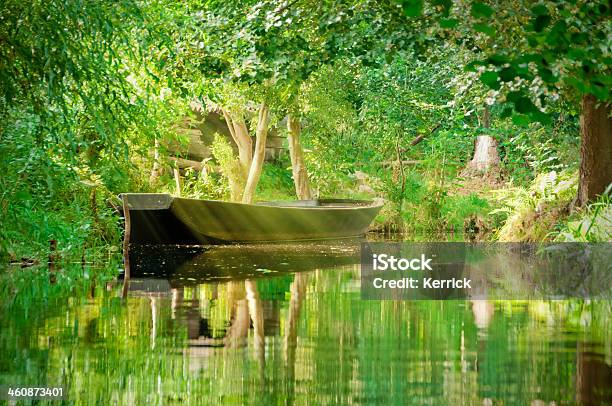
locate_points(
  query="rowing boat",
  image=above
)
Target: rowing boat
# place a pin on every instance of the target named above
(163, 219)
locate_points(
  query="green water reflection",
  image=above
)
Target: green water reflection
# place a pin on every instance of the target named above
(305, 338)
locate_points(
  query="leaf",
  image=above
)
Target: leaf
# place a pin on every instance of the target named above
(557, 36)
(540, 22)
(521, 120)
(413, 8)
(498, 59)
(524, 105)
(541, 117)
(576, 83)
(579, 38)
(526, 58)
(547, 75)
(604, 79)
(506, 112)
(481, 10)
(448, 22)
(507, 74)
(471, 67)
(599, 91)
(513, 96)
(485, 29)
(539, 9)
(576, 54)
(490, 79)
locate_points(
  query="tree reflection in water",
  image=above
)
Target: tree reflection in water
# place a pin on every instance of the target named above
(305, 337)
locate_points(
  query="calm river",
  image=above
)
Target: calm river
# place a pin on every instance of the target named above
(263, 325)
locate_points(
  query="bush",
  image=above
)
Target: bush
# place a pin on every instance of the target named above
(533, 213)
(591, 225)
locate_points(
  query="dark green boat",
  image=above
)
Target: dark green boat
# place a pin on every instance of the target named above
(163, 219)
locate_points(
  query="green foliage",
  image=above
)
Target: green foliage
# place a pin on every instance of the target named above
(528, 151)
(45, 197)
(534, 213)
(230, 166)
(455, 210)
(275, 183)
(593, 224)
(204, 185)
(563, 50)
(55, 49)
(88, 87)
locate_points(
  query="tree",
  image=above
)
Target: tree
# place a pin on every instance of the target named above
(87, 71)
(279, 46)
(555, 52)
(233, 101)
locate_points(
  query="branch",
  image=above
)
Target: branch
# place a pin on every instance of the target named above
(422, 136)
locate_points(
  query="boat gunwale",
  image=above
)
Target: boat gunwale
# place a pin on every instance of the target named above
(369, 204)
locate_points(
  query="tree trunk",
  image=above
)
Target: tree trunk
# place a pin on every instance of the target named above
(298, 292)
(177, 180)
(240, 133)
(126, 246)
(300, 176)
(245, 146)
(259, 155)
(155, 172)
(486, 117)
(595, 149)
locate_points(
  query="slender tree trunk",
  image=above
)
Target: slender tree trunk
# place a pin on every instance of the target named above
(486, 117)
(126, 247)
(177, 180)
(258, 155)
(300, 176)
(155, 172)
(236, 188)
(240, 133)
(595, 149)
(238, 331)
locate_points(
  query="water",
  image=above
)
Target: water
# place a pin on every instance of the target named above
(265, 325)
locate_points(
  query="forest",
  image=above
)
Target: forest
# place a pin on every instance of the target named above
(489, 119)
(468, 120)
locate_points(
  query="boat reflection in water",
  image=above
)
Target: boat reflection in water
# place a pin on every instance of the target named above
(190, 265)
(195, 278)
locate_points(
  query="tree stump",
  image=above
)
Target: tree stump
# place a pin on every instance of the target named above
(485, 154)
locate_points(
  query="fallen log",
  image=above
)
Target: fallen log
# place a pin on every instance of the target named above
(186, 163)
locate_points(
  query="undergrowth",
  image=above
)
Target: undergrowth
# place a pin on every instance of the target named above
(535, 213)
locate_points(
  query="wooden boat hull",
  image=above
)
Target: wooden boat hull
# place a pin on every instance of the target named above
(162, 219)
